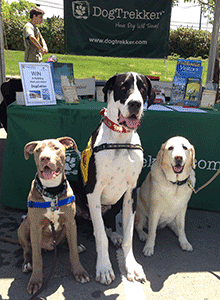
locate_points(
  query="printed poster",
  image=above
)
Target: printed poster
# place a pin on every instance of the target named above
(37, 84)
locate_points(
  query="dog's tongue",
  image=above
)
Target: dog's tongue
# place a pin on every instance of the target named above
(177, 169)
(130, 122)
(49, 173)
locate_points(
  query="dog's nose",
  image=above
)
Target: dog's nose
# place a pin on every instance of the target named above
(45, 159)
(178, 158)
(134, 107)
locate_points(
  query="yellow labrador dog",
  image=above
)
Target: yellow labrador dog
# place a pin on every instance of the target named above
(164, 195)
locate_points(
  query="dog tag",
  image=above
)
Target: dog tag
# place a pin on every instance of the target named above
(52, 206)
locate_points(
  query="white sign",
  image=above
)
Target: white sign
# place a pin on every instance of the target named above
(85, 87)
(37, 84)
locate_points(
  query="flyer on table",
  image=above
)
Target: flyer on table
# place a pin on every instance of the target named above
(37, 83)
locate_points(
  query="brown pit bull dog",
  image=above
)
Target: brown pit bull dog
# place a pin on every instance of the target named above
(50, 199)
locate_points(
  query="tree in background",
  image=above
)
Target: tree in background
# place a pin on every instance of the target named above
(16, 15)
(16, 9)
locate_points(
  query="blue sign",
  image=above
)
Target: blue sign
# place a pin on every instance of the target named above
(189, 68)
(187, 82)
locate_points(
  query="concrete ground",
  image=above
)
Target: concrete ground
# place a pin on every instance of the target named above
(171, 273)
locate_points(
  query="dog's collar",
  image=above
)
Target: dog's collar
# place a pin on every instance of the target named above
(110, 124)
(54, 192)
(116, 146)
(52, 204)
(182, 182)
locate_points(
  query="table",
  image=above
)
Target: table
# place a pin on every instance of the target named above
(78, 121)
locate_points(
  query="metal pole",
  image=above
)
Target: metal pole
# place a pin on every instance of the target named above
(200, 20)
(2, 57)
(214, 43)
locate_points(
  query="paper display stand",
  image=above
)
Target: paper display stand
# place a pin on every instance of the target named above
(70, 94)
(37, 84)
(208, 98)
(187, 86)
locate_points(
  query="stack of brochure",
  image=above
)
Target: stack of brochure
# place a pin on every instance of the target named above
(20, 98)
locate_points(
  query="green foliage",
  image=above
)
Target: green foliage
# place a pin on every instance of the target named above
(15, 15)
(16, 9)
(188, 42)
(52, 30)
(13, 33)
(5, 9)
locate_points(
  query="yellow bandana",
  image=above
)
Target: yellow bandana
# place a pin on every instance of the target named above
(84, 162)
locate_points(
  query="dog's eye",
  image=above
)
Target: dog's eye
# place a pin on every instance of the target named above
(170, 148)
(56, 148)
(184, 147)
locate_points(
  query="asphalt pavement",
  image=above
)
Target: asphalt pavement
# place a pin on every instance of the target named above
(171, 273)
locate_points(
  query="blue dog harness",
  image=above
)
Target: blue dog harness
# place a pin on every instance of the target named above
(53, 193)
(59, 203)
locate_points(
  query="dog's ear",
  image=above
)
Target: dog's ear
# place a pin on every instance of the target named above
(151, 98)
(109, 86)
(159, 158)
(68, 143)
(192, 153)
(29, 149)
(151, 92)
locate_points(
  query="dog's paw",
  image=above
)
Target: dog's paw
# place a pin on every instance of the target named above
(35, 283)
(142, 235)
(82, 276)
(135, 272)
(148, 250)
(186, 246)
(115, 238)
(26, 268)
(104, 273)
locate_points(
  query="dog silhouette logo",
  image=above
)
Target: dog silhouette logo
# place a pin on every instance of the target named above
(81, 9)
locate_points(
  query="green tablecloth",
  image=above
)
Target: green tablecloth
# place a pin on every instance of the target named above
(78, 121)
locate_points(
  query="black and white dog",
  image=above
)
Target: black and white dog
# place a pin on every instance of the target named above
(115, 158)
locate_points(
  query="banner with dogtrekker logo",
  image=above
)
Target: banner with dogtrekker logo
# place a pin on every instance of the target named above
(133, 28)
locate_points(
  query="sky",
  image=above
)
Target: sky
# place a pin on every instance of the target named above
(188, 14)
(185, 14)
